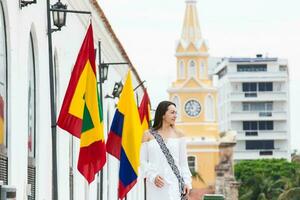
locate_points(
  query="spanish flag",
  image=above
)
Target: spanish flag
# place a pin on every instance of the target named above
(144, 111)
(1, 120)
(125, 138)
(81, 112)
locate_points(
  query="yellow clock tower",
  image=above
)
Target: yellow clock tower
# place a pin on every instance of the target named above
(195, 99)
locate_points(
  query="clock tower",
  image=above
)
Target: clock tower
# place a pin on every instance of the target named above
(195, 99)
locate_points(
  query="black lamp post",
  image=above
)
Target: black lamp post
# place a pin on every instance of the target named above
(59, 13)
(104, 72)
(24, 3)
(118, 87)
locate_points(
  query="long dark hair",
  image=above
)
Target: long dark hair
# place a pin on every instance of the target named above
(161, 109)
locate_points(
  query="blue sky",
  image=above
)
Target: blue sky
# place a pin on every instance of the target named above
(148, 31)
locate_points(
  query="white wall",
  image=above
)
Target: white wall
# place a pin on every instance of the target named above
(232, 82)
(66, 44)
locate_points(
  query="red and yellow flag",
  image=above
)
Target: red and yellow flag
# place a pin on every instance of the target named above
(81, 112)
(144, 111)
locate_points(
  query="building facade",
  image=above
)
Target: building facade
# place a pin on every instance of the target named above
(254, 101)
(25, 115)
(195, 99)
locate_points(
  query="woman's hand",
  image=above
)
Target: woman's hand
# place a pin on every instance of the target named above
(186, 190)
(159, 181)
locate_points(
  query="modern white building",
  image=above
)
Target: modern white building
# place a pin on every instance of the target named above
(254, 101)
(25, 114)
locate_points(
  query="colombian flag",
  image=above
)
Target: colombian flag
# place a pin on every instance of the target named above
(81, 112)
(125, 137)
(144, 111)
(1, 120)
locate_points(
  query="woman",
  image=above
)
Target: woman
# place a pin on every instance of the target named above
(161, 181)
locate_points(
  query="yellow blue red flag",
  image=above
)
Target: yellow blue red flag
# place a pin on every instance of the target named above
(125, 137)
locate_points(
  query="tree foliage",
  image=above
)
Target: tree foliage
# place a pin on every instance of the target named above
(267, 179)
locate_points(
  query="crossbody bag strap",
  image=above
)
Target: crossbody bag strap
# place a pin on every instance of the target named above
(170, 159)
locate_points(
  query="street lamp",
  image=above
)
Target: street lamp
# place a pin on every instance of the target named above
(104, 72)
(24, 3)
(59, 15)
(118, 87)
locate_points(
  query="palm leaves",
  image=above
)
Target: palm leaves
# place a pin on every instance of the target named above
(292, 188)
(268, 180)
(197, 176)
(291, 194)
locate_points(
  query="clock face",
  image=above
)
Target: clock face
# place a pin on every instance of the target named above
(192, 108)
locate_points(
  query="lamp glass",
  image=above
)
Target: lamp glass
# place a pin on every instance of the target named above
(59, 17)
(104, 72)
(118, 87)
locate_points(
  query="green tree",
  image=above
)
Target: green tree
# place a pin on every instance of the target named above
(266, 179)
(292, 188)
(291, 194)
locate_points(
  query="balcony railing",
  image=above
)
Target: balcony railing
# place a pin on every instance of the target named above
(255, 95)
(262, 135)
(260, 153)
(241, 115)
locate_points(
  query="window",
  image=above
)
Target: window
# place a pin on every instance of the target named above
(259, 144)
(251, 133)
(2, 118)
(249, 87)
(3, 99)
(266, 125)
(282, 68)
(202, 70)
(265, 86)
(252, 68)
(192, 69)
(265, 153)
(258, 125)
(181, 72)
(209, 108)
(223, 72)
(279, 87)
(257, 106)
(31, 170)
(192, 163)
(3, 79)
(177, 103)
(31, 100)
(250, 125)
(261, 86)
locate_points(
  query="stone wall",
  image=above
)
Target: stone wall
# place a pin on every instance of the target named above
(225, 180)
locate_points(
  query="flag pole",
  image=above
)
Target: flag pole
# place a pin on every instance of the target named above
(139, 85)
(145, 190)
(86, 190)
(52, 107)
(100, 85)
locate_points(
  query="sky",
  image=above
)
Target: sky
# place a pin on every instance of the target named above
(148, 30)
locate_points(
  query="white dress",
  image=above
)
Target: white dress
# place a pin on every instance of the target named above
(154, 162)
